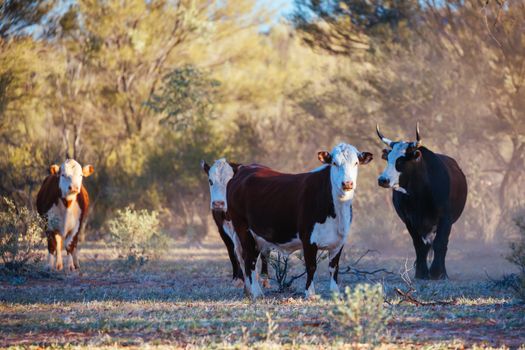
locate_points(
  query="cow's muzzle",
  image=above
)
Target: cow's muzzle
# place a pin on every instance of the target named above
(383, 182)
(347, 186)
(218, 205)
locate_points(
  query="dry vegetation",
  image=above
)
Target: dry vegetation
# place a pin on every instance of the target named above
(187, 299)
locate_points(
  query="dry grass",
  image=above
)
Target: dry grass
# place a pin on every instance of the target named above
(187, 300)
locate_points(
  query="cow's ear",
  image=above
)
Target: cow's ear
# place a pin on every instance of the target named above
(365, 157)
(416, 155)
(324, 157)
(205, 166)
(54, 169)
(235, 166)
(385, 154)
(87, 170)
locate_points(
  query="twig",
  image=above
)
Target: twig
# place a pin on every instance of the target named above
(409, 298)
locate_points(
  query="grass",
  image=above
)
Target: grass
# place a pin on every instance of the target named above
(187, 300)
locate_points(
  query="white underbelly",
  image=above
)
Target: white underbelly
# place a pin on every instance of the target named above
(288, 247)
(65, 220)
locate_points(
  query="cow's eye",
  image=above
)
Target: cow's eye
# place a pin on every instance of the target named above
(211, 182)
(385, 154)
(333, 163)
(356, 163)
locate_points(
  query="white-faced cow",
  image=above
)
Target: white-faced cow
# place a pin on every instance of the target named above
(219, 174)
(64, 201)
(430, 192)
(311, 211)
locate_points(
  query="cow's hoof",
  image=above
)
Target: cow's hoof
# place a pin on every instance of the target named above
(59, 266)
(422, 275)
(334, 288)
(310, 293)
(237, 282)
(438, 276)
(266, 283)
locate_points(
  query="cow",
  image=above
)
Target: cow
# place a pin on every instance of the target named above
(309, 211)
(64, 202)
(429, 195)
(219, 174)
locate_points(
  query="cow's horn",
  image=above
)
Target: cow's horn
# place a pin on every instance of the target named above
(388, 142)
(418, 137)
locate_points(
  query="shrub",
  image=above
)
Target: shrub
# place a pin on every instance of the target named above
(360, 313)
(517, 257)
(136, 235)
(21, 235)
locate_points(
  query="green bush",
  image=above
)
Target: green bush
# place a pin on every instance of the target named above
(360, 313)
(21, 236)
(136, 235)
(517, 257)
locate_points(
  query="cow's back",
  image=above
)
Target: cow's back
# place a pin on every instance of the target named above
(266, 201)
(458, 186)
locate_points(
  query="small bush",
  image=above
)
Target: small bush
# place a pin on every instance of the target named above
(517, 257)
(136, 235)
(21, 236)
(360, 313)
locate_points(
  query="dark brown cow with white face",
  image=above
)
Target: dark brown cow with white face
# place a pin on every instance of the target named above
(64, 201)
(308, 211)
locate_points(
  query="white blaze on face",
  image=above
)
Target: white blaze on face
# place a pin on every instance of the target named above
(391, 173)
(70, 178)
(344, 167)
(219, 175)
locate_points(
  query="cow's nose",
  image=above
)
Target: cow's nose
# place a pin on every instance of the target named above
(348, 185)
(218, 204)
(73, 188)
(383, 181)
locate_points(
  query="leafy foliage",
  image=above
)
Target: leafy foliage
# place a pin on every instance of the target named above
(517, 257)
(185, 97)
(136, 235)
(360, 313)
(21, 233)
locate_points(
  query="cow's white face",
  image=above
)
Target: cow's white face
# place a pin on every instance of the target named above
(398, 159)
(390, 176)
(344, 161)
(70, 177)
(219, 174)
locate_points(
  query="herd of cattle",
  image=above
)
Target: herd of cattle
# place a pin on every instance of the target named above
(258, 209)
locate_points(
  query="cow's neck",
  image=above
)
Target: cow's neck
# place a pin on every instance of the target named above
(68, 201)
(417, 180)
(343, 215)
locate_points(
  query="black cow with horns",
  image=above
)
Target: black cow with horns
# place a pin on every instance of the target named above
(430, 192)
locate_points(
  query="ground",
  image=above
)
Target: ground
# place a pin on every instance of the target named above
(186, 299)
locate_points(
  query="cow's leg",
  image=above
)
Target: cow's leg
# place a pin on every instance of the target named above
(59, 263)
(265, 280)
(51, 249)
(71, 245)
(76, 262)
(250, 253)
(310, 260)
(421, 254)
(440, 244)
(236, 268)
(333, 266)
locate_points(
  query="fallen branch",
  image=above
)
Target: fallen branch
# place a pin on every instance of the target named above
(406, 296)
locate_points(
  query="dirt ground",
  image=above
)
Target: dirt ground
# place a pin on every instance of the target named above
(187, 300)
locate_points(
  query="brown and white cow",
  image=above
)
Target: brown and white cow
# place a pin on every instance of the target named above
(309, 211)
(219, 174)
(64, 201)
